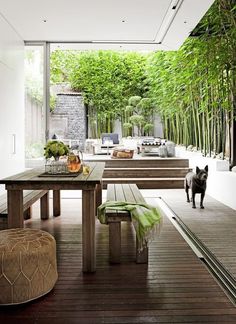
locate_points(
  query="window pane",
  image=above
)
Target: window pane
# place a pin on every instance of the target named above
(34, 108)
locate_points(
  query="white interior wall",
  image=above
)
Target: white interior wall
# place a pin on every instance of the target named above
(11, 101)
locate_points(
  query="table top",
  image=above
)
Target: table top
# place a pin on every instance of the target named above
(30, 179)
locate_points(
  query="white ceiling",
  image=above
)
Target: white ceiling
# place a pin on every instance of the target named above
(131, 24)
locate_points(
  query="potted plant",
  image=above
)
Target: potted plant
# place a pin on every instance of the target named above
(55, 149)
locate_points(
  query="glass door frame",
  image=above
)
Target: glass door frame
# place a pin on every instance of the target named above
(46, 82)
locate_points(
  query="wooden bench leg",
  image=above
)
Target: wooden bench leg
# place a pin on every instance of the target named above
(141, 256)
(115, 241)
(56, 203)
(44, 206)
(28, 213)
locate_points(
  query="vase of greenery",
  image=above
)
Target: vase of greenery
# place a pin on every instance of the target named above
(55, 149)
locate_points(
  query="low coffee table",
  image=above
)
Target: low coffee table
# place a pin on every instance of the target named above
(142, 148)
(103, 149)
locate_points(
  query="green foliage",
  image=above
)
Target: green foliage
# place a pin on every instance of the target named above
(62, 64)
(127, 128)
(134, 100)
(129, 109)
(53, 100)
(148, 128)
(137, 120)
(145, 104)
(194, 88)
(55, 149)
(147, 108)
(127, 125)
(106, 79)
(140, 113)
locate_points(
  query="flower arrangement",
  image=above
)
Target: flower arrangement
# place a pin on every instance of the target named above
(55, 149)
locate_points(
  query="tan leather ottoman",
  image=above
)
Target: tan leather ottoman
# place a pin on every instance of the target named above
(28, 267)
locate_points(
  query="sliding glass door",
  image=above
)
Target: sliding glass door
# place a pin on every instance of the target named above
(35, 104)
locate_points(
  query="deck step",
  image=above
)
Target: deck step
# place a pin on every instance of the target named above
(143, 162)
(150, 183)
(145, 172)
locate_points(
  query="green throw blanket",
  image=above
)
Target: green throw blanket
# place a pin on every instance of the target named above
(146, 219)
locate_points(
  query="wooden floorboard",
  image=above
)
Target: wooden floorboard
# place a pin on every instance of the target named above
(175, 287)
(214, 226)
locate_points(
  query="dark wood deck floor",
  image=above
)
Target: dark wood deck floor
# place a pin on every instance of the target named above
(214, 226)
(175, 287)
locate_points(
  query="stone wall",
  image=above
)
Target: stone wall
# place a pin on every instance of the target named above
(68, 120)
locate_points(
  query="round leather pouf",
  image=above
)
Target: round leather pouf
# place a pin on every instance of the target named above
(28, 267)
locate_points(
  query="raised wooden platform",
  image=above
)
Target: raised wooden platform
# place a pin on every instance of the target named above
(138, 161)
(145, 172)
(175, 287)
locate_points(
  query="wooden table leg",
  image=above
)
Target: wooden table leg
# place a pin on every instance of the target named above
(56, 203)
(44, 206)
(98, 195)
(88, 230)
(15, 208)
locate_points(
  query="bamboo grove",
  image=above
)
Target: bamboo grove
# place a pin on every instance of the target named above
(107, 79)
(194, 88)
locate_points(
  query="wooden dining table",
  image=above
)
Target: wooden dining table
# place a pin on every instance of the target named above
(35, 179)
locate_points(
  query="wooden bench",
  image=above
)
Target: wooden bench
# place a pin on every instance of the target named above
(29, 198)
(127, 193)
